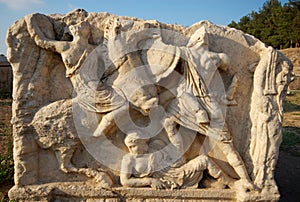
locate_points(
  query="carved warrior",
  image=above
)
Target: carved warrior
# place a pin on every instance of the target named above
(144, 104)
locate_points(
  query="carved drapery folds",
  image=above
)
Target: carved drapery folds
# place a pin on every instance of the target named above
(115, 102)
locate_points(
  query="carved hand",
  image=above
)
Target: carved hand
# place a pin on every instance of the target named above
(157, 184)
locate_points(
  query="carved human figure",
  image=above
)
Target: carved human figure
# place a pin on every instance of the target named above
(202, 114)
(143, 98)
(141, 168)
(105, 99)
(199, 109)
(199, 71)
(73, 53)
(271, 75)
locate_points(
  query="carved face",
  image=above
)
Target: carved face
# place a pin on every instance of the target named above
(135, 144)
(139, 148)
(148, 104)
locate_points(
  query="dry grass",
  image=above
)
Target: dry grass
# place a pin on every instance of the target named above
(291, 124)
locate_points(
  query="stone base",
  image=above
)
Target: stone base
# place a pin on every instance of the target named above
(88, 192)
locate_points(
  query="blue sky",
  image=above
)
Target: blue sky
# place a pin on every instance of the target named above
(185, 12)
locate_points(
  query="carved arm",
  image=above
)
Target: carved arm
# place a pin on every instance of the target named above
(39, 37)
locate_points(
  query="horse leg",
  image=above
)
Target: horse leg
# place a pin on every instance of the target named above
(64, 156)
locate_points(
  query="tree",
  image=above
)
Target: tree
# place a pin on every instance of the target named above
(274, 24)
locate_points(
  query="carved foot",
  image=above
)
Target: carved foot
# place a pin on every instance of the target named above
(64, 156)
(108, 121)
(218, 185)
(104, 180)
(70, 168)
(101, 178)
(243, 186)
(270, 188)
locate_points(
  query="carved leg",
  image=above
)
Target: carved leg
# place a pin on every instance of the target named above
(195, 167)
(64, 156)
(232, 88)
(235, 160)
(175, 138)
(218, 174)
(107, 121)
(228, 99)
(105, 124)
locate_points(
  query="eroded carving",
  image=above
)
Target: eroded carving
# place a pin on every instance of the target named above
(148, 105)
(140, 169)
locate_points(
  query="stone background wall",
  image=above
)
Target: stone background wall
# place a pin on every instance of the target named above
(5, 76)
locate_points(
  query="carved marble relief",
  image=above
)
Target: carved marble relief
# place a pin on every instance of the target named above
(115, 102)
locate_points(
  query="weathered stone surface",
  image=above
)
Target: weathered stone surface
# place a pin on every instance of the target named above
(88, 192)
(104, 101)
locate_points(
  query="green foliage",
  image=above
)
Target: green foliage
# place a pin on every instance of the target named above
(6, 151)
(291, 130)
(290, 136)
(292, 103)
(6, 168)
(6, 162)
(274, 24)
(5, 94)
(7, 165)
(291, 140)
(6, 159)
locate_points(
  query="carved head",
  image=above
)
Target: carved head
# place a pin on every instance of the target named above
(144, 99)
(135, 142)
(80, 29)
(223, 61)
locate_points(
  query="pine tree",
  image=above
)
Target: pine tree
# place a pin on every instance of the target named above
(274, 24)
